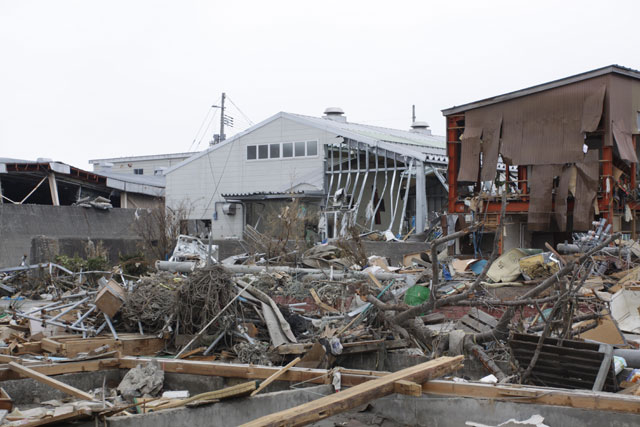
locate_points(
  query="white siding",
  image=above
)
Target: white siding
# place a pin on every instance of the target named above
(228, 170)
(149, 166)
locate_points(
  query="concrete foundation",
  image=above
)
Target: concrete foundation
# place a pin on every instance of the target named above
(396, 410)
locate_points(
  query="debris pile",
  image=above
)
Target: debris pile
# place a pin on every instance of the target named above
(526, 316)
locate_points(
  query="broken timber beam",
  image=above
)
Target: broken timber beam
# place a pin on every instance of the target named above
(49, 381)
(358, 395)
(275, 376)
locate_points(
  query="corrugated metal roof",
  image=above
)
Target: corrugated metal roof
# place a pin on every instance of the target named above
(273, 194)
(152, 180)
(406, 143)
(149, 185)
(144, 158)
(618, 69)
(378, 133)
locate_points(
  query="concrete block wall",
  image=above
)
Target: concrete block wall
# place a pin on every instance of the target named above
(19, 224)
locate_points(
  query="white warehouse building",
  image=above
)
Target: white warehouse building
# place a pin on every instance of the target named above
(349, 173)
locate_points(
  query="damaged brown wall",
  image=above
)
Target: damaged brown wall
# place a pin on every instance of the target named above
(546, 130)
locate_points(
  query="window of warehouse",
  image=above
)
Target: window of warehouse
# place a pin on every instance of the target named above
(283, 150)
(138, 171)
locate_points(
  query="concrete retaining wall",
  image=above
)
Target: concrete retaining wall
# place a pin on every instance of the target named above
(19, 224)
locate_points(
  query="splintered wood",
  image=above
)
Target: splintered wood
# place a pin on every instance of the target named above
(360, 394)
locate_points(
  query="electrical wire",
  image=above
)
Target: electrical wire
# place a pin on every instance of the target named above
(241, 112)
(200, 128)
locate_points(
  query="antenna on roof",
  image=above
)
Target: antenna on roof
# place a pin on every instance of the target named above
(413, 113)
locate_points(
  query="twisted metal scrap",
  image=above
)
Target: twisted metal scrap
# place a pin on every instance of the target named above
(151, 302)
(202, 297)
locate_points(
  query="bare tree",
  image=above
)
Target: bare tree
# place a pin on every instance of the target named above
(159, 229)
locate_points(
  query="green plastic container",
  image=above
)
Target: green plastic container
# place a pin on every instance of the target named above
(416, 295)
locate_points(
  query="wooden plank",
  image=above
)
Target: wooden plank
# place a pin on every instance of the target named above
(61, 368)
(51, 346)
(320, 303)
(237, 390)
(603, 372)
(69, 416)
(350, 377)
(50, 381)
(374, 279)
(275, 376)
(407, 387)
(581, 399)
(357, 395)
(297, 348)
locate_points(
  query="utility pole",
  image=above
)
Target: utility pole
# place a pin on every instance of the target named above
(413, 112)
(222, 138)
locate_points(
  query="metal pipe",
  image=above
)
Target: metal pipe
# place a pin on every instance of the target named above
(49, 322)
(214, 343)
(113, 330)
(176, 266)
(62, 313)
(381, 197)
(84, 316)
(374, 189)
(406, 197)
(246, 269)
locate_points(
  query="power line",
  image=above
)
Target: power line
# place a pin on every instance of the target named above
(202, 124)
(240, 111)
(200, 128)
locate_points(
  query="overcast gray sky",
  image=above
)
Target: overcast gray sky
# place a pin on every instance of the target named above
(85, 79)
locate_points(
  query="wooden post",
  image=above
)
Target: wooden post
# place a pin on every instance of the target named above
(23, 370)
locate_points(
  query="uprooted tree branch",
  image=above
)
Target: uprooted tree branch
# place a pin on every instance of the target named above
(406, 320)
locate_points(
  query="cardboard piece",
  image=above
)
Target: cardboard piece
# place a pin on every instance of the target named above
(606, 332)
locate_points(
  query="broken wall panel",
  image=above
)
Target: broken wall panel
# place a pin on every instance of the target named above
(586, 190)
(544, 127)
(619, 100)
(490, 125)
(540, 201)
(562, 192)
(592, 110)
(470, 156)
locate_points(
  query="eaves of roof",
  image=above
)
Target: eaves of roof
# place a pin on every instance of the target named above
(617, 69)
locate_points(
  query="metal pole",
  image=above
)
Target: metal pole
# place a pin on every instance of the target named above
(384, 189)
(406, 196)
(113, 330)
(421, 197)
(222, 138)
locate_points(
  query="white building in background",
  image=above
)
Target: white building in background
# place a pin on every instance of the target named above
(154, 164)
(379, 178)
